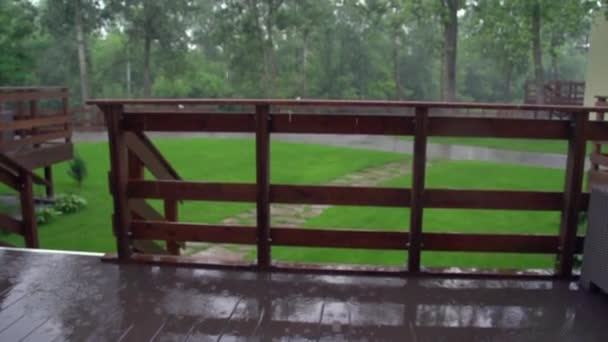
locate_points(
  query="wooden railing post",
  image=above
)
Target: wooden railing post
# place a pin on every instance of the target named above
(575, 169)
(262, 143)
(171, 216)
(417, 192)
(28, 211)
(119, 176)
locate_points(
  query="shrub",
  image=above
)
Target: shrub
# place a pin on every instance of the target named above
(46, 215)
(68, 204)
(78, 170)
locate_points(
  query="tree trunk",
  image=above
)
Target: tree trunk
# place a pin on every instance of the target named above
(507, 84)
(537, 54)
(450, 45)
(82, 58)
(147, 79)
(397, 66)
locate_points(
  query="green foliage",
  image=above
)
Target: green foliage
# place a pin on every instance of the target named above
(69, 204)
(16, 36)
(46, 215)
(380, 49)
(78, 170)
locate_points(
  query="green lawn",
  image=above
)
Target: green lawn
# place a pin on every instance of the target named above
(226, 160)
(465, 175)
(521, 145)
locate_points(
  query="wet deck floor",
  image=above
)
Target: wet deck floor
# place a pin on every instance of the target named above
(63, 297)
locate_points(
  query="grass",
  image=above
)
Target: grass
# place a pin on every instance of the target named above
(465, 175)
(224, 160)
(520, 145)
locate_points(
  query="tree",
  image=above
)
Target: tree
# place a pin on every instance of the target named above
(449, 19)
(148, 22)
(16, 32)
(78, 18)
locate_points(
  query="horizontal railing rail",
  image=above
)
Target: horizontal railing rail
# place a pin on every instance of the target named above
(126, 118)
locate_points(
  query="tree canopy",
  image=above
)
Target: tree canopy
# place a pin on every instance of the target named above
(359, 49)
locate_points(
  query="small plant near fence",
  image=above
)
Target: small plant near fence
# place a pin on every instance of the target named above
(46, 215)
(64, 205)
(77, 170)
(68, 204)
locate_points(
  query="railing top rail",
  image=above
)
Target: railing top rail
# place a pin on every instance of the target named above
(346, 103)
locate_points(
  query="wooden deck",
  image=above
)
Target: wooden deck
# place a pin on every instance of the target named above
(69, 297)
(35, 127)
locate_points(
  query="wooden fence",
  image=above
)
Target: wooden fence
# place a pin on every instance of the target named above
(135, 220)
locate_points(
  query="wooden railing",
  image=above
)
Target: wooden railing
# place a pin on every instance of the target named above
(36, 127)
(598, 173)
(264, 117)
(22, 180)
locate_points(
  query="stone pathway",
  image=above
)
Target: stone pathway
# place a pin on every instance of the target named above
(293, 215)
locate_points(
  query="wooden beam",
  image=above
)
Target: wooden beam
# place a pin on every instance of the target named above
(34, 139)
(119, 174)
(417, 192)
(28, 210)
(572, 194)
(171, 216)
(262, 147)
(16, 166)
(498, 128)
(346, 103)
(364, 239)
(163, 230)
(493, 199)
(9, 178)
(152, 159)
(10, 224)
(33, 123)
(189, 122)
(143, 210)
(342, 124)
(45, 156)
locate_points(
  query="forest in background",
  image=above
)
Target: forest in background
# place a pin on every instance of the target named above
(465, 50)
